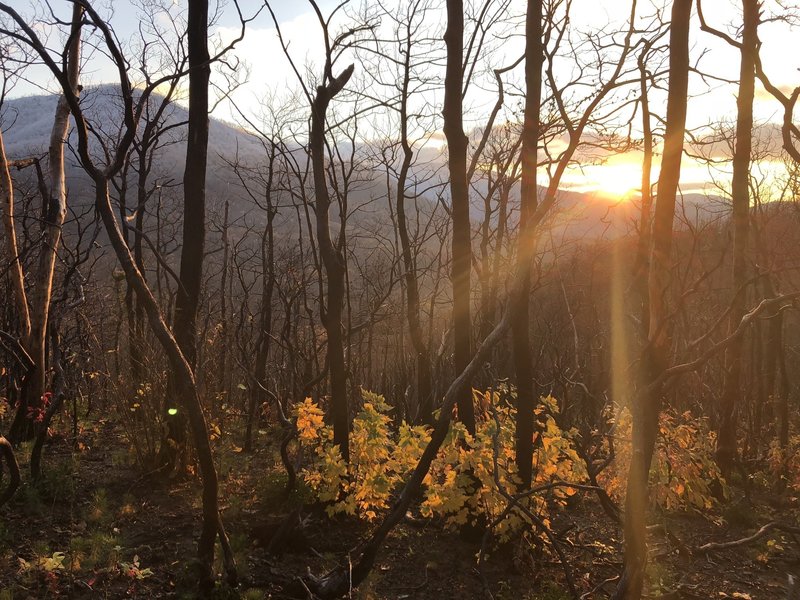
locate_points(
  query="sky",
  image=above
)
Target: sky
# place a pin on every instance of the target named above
(268, 73)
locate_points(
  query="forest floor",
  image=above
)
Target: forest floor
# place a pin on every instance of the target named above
(95, 528)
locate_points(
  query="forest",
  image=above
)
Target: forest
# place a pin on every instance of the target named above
(399, 299)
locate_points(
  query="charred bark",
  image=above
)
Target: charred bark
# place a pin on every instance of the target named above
(740, 193)
(190, 277)
(459, 198)
(332, 260)
(520, 318)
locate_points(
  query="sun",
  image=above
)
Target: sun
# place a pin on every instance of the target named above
(622, 180)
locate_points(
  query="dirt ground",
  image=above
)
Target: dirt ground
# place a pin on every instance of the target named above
(95, 528)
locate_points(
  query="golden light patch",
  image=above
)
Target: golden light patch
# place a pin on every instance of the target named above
(617, 180)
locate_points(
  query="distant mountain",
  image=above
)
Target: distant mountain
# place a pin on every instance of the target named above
(27, 122)
(590, 216)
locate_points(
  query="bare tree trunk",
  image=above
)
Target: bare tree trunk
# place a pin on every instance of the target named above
(424, 384)
(56, 401)
(191, 271)
(459, 198)
(642, 264)
(520, 324)
(15, 272)
(784, 385)
(740, 193)
(775, 399)
(332, 259)
(224, 333)
(135, 333)
(190, 399)
(194, 182)
(263, 337)
(190, 277)
(502, 231)
(137, 339)
(647, 406)
(52, 220)
(180, 368)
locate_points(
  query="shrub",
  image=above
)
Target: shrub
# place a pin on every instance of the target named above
(683, 474)
(463, 488)
(462, 485)
(783, 465)
(378, 459)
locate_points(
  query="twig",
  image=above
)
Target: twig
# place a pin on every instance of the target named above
(593, 591)
(711, 546)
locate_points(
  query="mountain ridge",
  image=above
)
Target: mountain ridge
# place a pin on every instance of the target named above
(27, 121)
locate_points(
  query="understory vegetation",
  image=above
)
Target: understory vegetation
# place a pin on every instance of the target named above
(390, 300)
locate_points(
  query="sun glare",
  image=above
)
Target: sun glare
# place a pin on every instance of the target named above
(620, 181)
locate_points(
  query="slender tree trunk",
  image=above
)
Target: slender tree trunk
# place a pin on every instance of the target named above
(784, 385)
(15, 272)
(422, 354)
(190, 277)
(129, 301)
(520, 324)
(263, 337)
(775, 399)
(642, 264)
(333, 261)
(647, 405)
(485, 317)
(224, 389)
(194, 182)
(138, 354)
(52, 220)
(459, 198)
(135, 333)
(56, 401)
(502, 228)
(181, 349)
(181, 371)
(740, 193)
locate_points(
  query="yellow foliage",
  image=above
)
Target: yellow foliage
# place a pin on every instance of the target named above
(462, 485)
(377, 461)
(683, 468)
(310, 421)
(783, 464)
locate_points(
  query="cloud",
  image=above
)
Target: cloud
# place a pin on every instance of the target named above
(763, 95)
(269, 70)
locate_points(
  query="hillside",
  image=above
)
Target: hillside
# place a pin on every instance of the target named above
(27, 121)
